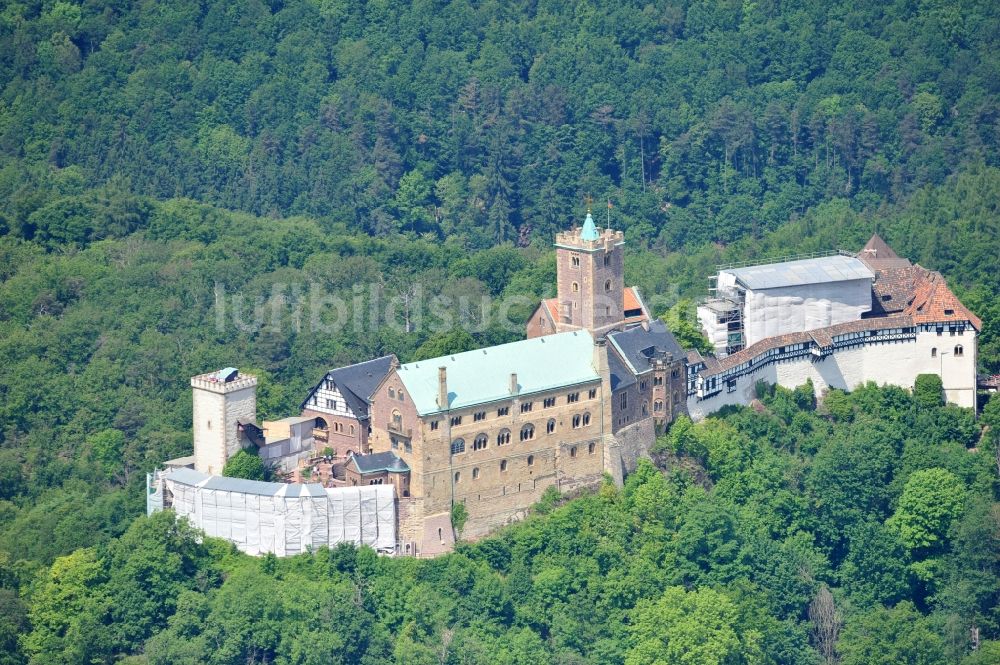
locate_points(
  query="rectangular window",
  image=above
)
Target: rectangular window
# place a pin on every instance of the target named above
(642, 385)
(731, 385)
(623, 401)
(434, 425)
(456, 420)
(503, 411)
(479, 415)
(592, 394)
(407, 446)
(329, 404)
(549, 402)
(395, 444)
(525, 407)
(572, 397)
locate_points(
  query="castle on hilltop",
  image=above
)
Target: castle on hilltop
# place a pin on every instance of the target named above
(384, 452)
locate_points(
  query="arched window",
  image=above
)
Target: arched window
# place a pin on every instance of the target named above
(458, 476)
(397, 418)
(503, 465)
(457, 446)
(531, 460)
(934, 352)
(591, 447)
(503, 438)
(607, 285)
(645, 408)
(440, 535)
(959, 350)
(575, 261)
(572, 451)
(392, 392)
(658, 405)
(550, 426)
(352, 430)
(475, 473)
(480, 442)
(586, 419)
(527, 432)
(576, 287)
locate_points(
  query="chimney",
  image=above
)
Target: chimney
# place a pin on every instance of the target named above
(513, 383)
(442, 388)
(600, 359)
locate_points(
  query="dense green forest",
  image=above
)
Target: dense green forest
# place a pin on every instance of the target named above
(861, 533)
(160, 159)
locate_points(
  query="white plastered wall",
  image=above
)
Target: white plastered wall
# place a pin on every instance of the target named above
(896, 364)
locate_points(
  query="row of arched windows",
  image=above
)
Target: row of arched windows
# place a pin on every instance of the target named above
(958, 351)
(527, 433)
(607, 287)
(530, 460)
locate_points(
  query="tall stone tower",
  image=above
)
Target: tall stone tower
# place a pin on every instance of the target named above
(590, 278)
(221, 400)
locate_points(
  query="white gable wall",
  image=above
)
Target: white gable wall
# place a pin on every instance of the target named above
(322, 396)
(896, 364)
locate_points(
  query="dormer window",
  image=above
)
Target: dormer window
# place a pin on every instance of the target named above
(949, 312)
(886, 298)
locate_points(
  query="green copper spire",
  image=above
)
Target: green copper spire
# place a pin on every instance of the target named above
(589, 229)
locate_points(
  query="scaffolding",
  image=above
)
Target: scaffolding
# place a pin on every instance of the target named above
(283, 519)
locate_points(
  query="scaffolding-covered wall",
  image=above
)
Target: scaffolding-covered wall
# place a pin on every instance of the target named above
(788, 309)
(284, 519)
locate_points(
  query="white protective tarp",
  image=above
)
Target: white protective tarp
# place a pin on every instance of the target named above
(778, 311)
(285, 519)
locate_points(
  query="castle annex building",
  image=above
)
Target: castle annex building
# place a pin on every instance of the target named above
(382, 452)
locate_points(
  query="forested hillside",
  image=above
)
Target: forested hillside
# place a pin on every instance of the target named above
(863, 534)
(701, 120)
(160, 159)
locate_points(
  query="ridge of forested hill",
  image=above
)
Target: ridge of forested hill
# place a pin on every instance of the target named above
(862, 533)
(701, 120)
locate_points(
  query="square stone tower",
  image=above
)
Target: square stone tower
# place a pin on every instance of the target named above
(221, 400)
(590, 278)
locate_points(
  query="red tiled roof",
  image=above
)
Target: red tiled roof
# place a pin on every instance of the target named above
(876, 248)
(933, 302)
(630, 300)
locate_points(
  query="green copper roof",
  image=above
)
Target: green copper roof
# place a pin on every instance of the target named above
(478, 377)
(589, 229)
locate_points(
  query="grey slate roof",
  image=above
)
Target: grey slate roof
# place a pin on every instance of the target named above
(375, 462)
(638, 346)
(621, 376)
(222, 483)
(357, 383)
(818, 270)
